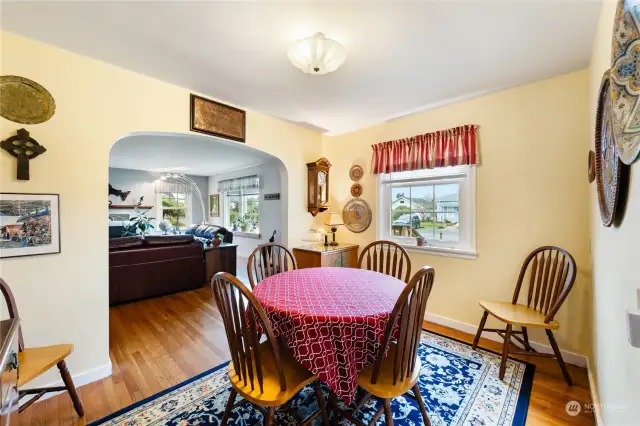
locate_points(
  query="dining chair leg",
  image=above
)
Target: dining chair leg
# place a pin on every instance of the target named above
(71, 388)
(387, 411)
(333, 406)
(558, 355)
(321, 403)
(525, 336)
(425, 416)
(268, 420)
(505, 351)
(483, 321)
(229, 407)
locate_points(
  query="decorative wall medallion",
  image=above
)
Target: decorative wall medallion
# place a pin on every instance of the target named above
(592, 166)
(25, 101)
(625, 79)
(356, 190)
(23, 148)
(608, 165)
(356, 173)
(356, 215)
(216, 119)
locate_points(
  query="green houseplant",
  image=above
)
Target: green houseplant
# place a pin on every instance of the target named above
(139, 225)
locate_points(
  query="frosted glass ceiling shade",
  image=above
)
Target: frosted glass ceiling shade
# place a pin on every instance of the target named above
(317, 54)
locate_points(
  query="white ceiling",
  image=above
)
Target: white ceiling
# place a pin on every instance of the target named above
(189, 154)
(401, 56)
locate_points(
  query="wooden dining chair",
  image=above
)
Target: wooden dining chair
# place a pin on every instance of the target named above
(33, 362)
(398, 373)
(552, 272)
(263, 373)
(386, 257)
(269, 259)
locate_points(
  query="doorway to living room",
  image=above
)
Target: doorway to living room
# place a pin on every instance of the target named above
(183, 207)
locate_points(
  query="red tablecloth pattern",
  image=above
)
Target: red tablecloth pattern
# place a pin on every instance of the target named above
(332, 319)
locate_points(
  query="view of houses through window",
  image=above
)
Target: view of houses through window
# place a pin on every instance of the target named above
(428, 210)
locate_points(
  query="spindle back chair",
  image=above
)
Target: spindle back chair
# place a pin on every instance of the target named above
(549, 274)
(263, 373)
(269, 259)
(388, 258)
(33, 362)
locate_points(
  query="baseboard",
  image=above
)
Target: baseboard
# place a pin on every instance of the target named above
(595, 396)
(569, 357)
(80, 379)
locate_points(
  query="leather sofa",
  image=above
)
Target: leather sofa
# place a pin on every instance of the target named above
(207, 232)
(147, 267)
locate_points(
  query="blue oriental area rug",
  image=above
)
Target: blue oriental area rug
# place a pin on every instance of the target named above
(460, 386)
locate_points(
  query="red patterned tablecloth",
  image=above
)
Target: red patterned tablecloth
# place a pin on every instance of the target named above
(332, 319)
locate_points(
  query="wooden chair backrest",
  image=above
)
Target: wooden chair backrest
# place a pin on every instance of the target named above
(13, 309)
(388, 258)
(409, 310)
(242, 314)
(551, 274)
(267, 260)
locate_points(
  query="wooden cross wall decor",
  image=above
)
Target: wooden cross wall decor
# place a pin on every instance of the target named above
(24, 148)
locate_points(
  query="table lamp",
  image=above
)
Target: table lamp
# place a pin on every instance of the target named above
(333, 220)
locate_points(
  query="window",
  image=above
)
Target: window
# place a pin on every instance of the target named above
(437, 204)
(243, 211)
(175, 207)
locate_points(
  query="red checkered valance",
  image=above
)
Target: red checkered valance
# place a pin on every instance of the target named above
(452, 147)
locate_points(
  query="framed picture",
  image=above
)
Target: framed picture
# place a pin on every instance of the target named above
(214, 205)
(29, 224)
(216, 119)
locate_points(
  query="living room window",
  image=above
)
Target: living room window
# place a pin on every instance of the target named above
(241, 204)
(175, 207)
(435, 204)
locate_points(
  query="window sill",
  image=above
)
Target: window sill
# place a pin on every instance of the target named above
(442, 251)
(246, 235)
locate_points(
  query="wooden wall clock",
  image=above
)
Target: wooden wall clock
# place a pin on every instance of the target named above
(318, 186)
(608, 164)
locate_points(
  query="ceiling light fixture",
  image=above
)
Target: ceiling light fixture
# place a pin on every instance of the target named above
(317, 54)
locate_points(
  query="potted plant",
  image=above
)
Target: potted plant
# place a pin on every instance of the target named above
(243, 223)
(139, 225)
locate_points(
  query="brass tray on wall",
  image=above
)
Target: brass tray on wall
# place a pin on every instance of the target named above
(356, 215)
(25, 101)
(608, 164)
(216, 119)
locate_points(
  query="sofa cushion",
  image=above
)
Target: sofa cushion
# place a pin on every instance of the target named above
(165, 240)
(125, 242)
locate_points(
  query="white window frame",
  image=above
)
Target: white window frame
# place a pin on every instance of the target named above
(465, 176)
(243, 210)
(187, 207)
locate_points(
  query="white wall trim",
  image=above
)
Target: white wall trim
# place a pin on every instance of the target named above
(569, 357)
(80, 379)
(595, 396)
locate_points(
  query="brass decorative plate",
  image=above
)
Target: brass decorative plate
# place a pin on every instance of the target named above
(608, 164)
(592, 166)
(356, 190)
(356, 215)
(356, 173)
(25, 101)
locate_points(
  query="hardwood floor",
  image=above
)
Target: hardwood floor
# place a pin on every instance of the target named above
(160, 342)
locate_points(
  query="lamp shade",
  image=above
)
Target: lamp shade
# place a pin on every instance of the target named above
(317, 54)
(334, 219)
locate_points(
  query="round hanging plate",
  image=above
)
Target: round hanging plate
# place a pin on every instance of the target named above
(25, 101)
(625, 80)
(356, 215)
(356, 190)
(608, 165)
(592, 166)
(356, 173)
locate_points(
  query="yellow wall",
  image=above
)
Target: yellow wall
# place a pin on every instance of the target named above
(63, 298)
(615, 270)
(531, 191)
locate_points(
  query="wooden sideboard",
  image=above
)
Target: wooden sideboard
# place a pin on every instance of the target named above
(219, 259)
(9, 368)
(317, 255)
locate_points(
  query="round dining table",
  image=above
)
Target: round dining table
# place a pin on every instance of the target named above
(331, 319)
